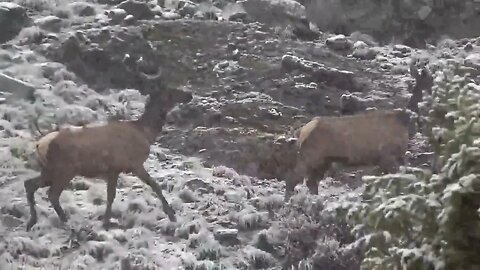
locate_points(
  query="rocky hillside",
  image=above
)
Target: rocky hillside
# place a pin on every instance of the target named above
(222, 157)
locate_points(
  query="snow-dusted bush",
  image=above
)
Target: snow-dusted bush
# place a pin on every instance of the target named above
(419, 220)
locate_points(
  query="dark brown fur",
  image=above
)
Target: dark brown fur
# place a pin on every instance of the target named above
(104, 152)
(423, 81)
(370, 138)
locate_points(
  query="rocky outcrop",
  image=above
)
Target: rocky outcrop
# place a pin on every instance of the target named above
(408, 22)
(13, 18)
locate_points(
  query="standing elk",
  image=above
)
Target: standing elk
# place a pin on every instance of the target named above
(103, 152)
(378, 137)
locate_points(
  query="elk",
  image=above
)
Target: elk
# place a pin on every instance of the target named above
(378, 137)
(103, 152)
(423, 81)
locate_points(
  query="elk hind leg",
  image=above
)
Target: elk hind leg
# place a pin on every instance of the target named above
(58, 185)
(31, 186)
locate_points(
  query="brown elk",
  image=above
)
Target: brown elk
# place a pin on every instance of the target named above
(378, 137)
(102, 151)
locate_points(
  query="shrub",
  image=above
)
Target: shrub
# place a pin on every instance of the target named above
(417, 219)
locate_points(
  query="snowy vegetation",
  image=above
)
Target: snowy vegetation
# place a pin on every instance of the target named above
(417, 219)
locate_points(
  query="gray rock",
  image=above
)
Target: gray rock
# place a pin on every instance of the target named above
(321, 73)
(402, 48)
(170, 15)
(239, 17)
(18, 88)
(233, 196)
(468, 47)
(140, 10)
(13, 18)
(186, 7)
(473, 61)
(49, 23)
(110, 2)
(338, 43)
(82, 9)
(75, 115)
(227, 236)
(350, 104)
(279, 12)
(362, 51)
(11, 221)
(157, 10)
(129, 20)
(199, 185)
(116, 15)
(410, 22)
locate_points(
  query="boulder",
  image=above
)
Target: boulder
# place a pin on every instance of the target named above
(82, 9)
(227, 236)
(13, 18)
(140, 10)
(338, 43)
(49, 23)
(17, 88)
(408, 22)
(321, 73)
(362, 51)
(275, 12)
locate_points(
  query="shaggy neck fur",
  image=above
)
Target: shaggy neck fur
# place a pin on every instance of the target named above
(152, 121)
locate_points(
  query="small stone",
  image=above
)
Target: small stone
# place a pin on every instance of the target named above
(338, 42)
(473, 60)
(362, 51)
(11, 221)
(157, 10)
(82, 9)
(227, 236)
(109, 2)
(187, 8)
(140, 10)
(116, 15)
(350, 104)
(197, 184)
(170, 15)
(468, 47)
(129, 19)
(402, 48)
(49, 23)
(233, 196)
(238, 17)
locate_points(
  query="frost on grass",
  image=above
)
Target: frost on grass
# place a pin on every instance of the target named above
(31, 34)
(250, 219)
(258, 259)
(188, 228)
(239, 180)
(187, 196)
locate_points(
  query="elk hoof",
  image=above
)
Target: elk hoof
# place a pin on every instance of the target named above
(107, 225)
(30, 224)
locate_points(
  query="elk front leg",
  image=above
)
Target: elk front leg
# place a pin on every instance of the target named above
(111, 192)
(145, 177)
(293, 178)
